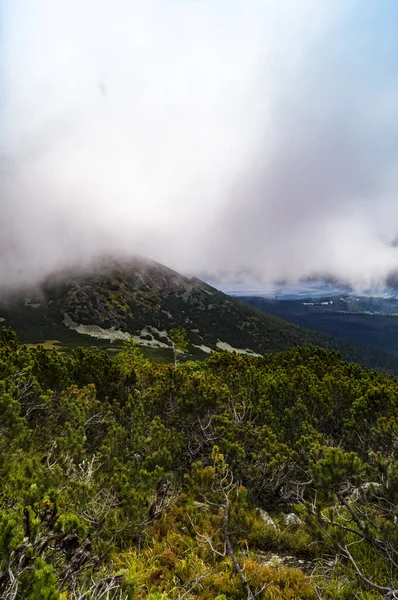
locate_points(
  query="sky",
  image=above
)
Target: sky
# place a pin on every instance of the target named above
(238, 140)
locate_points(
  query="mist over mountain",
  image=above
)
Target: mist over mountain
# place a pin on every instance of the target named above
(255, 140)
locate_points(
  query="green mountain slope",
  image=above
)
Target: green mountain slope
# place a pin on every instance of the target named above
(114, 300)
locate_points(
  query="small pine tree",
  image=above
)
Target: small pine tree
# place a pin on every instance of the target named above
(179, 342)
(44, 582)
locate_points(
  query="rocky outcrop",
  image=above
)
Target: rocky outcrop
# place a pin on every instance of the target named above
(292, 520)
(269, 521)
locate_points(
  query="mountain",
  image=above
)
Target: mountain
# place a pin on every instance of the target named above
(369, 321)
(106, 303)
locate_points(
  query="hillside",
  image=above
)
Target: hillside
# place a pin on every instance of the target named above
(371, 322)
(113, 300)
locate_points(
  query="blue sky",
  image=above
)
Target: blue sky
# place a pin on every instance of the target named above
(244, 138)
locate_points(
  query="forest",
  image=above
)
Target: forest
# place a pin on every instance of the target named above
(230, 478)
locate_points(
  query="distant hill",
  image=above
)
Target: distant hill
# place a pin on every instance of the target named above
(371, 322)
(113, 299)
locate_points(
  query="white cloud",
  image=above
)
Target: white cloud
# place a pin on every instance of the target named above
(211, 135)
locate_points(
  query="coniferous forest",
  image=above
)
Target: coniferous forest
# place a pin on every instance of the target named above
(232, 478)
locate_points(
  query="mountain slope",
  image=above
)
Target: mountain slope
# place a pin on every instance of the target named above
(370, 321)
(114, 299)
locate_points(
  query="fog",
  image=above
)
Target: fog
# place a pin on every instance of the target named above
(236, 140)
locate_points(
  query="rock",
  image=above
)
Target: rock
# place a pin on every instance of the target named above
(274, 560)
(269, 559)
(367, 488)
(266, 518)
(292, 520)
(372, 487)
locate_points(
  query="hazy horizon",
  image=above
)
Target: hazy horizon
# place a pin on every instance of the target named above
(250, 140)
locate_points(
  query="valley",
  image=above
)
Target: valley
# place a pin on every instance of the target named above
(368, 321)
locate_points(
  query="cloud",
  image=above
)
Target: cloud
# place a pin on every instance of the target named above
(217, 137)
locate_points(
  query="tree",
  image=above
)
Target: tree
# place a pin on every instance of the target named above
(179, 342)
(222, 494)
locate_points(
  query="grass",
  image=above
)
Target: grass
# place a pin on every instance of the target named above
(48, 345)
